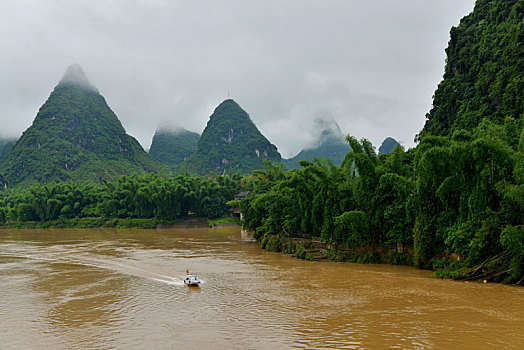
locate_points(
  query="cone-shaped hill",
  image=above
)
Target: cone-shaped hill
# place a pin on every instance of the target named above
(388, 146)
(173, 146)
(75, 136)
(330, 144)
(230, 142)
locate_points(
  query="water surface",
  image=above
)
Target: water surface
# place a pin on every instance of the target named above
(123, 289)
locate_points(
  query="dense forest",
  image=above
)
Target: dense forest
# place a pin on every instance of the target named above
(457, 199)
(145, 196)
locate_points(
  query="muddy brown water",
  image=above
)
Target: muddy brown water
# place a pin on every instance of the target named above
(123, 289)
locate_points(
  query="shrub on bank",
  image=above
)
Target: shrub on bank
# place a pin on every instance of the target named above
(263, 241)
(274, 244)
(301, 253)
(290, 248)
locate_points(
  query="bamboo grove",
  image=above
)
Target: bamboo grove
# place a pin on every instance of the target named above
(137, 196)
(457, 202)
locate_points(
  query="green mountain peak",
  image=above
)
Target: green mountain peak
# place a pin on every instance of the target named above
(388, 145)
(329, 144)
(74, 76)
(173, 145)
(75, 136)
(231, 142)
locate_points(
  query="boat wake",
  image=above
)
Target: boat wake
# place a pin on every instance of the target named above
(169, 280)
(118, 265)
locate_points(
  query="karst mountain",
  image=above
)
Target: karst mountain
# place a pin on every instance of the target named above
(329, 144)
(173, 145)
(388, 145)
(231, 142)
(75, 136)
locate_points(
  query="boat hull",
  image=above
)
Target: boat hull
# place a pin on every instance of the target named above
(193, 284)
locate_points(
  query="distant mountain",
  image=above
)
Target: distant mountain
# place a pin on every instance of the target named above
(173, 146)
(75, 136)
(484, 73)
(388, 145)
(5, 146)
(330, 144)
(230, 142)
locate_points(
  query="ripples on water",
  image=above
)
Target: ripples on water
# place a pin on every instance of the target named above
(106, 289)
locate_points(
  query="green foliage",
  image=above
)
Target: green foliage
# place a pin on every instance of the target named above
(460, 195)
(5, 146)
(273, 244)
(224, 221)
(145, 196)
(446, 268)
(392, 208)
(333, 203)
(469, 192)
(484, 74)
(230, 143)
(512, 239)
(89, 222)
(303, 254)
(354, 225)
(173, 147)
(290, 248)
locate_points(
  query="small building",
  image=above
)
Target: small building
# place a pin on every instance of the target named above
(235, 211)
(241, 196)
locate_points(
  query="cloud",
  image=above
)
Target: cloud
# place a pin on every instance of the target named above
(374, 65)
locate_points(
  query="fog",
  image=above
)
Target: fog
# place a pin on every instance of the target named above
(169, 126)
(371, 64)
(74, 75)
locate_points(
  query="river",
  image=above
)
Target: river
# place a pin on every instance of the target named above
(123, 289)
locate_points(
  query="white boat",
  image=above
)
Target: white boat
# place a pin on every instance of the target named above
(191, 280)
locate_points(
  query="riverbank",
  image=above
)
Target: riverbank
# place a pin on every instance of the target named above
(187, 222)
(444, 266)
(90, 223)
(310, 249)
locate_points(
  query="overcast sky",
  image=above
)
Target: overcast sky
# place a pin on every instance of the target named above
(372, 64)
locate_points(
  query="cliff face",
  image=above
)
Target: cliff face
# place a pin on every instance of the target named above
(484, 74)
